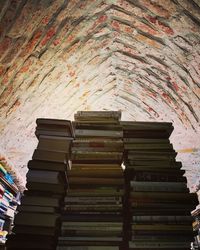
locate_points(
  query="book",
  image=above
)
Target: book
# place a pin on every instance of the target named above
(145, 141)
(96, 181)
(42, 176)
(143, 186)
(99, 133)
(48, 187)
(53, 156)
(97, 115)
(36, 219)
(30, 242)
(142, 210)
(55, 125)
(165, 197)
(87, 247)
(153, 237)
(159, 245)
(36, 209)
(160, 205)
(93, 207)
(173, 219)
(151, 163)
(90, 233)
(91, 200)
(96, 166)
(156, 156)
(52, 133)
(95, 149)
(163, 175)
(100, 192)
(93, 224)
(93, 172)
(99, 143)
(40, 201)
(162, 128)
(34, 230)
(96, 157)
(156, 147)
(47, 165)
(92, 217)
(54, 143)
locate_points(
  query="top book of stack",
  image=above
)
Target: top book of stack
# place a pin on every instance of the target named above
(98, 116)
(54, 127)
(148, 130)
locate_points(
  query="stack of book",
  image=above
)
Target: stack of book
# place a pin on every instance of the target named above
(160, 202)
(93, 206)
(37, 224)
(8, 202)
(196, 228)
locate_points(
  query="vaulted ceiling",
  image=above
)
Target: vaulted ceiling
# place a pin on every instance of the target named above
(138, 56)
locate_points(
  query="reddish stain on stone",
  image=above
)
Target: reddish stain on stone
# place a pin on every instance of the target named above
(115, 25)
(45, 20)
(102, 19)
(151, 110)
(166, 97)
(56, 42)
(156, 8)
(184, 88)
(128, 29)
(148, 41)
(175, 85)
(2, 70)
(168, 78)
(70, 38)
(5, 80)
(31, 44)
(72, 73)
(25, 68)
(8, 91)
(148, 29)
(152, 19)
(166, 29)
(4, 45)
(152, 94)
(161, 25)
(50, 33)
(15, 105)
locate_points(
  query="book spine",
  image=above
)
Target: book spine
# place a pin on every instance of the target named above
(96, 133)
(158, 186)
(174, 219)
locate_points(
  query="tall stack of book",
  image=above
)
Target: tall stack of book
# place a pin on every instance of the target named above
(196, 228)
(37, 224)
(160, 202)
(8, 202)
(93, 206)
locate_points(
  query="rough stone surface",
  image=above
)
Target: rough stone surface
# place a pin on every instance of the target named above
(138, 56)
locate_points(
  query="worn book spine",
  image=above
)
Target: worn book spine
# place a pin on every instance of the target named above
(95, 181)
(115, 144)
(159, 245)
(165, 197)
(93, 172)
(159, 186)
(167, 219)
(98, 133)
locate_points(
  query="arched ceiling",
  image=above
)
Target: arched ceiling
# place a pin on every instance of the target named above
(138, 56)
